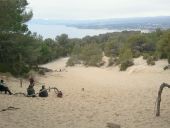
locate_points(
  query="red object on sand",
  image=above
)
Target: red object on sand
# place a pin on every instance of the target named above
(31, 81)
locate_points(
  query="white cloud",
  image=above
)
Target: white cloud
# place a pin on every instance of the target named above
(91, 9)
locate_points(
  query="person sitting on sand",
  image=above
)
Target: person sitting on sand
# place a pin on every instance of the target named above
(30, 91)
(43, 92)
(4, 87)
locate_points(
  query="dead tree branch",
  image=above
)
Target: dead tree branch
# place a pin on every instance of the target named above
(159, 97)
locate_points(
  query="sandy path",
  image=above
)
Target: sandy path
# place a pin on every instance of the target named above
(125, 98)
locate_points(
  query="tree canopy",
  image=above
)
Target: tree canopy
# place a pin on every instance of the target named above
(13, 15)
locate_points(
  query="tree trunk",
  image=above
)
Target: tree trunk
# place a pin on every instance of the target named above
(159, 97)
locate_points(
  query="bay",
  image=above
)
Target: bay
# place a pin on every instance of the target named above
(51, 31)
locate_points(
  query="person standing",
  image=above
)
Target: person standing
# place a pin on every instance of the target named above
(31, 81)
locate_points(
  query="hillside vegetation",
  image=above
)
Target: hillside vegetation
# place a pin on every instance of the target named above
(22, 50)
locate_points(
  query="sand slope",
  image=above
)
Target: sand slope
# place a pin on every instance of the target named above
(125, 98)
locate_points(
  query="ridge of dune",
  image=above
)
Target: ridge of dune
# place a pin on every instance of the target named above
(139, 66)
(57, 64)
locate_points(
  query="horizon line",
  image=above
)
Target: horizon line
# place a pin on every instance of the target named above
(83, 19)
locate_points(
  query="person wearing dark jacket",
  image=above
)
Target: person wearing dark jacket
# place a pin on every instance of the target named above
(43, 92)
(4, 87)
(31, 91)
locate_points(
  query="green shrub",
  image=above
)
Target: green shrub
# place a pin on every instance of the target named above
(155, 58)
(125, 59)
(14, 69)
(136, 54)
(111, 61)
(41, 72)
(163, 45)
(92, 61)
(145, 56)
(150, 61)
(70, 62)
(4, 68)
(100, 63)
(169, 59)
(111, 47)
(117, 61)
(148, 55)
(73, 60)
(125, 65)
(91, 55)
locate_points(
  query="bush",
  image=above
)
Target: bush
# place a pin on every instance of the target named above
(145, 56)
(150, 60)
(15, 70)
(167, 67)
(92, 61)
(125, 65)
(41, 72)
(136, 54)
(4, 68)
(100, 63)
(111, 61)
(125, 59)
(163, 45)
(91, 55)
(73, 60)
(88, 54)
(169, 59)
(70, 62)
(117, 61)
(112, 47)
(155, 58)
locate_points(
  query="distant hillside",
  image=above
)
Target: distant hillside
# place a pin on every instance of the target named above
(150, 23)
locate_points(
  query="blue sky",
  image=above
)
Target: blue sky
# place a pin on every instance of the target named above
(98, 9)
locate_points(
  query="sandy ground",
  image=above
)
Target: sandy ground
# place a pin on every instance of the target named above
(109, 96)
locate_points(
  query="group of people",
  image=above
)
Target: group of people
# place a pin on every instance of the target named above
(30, 90)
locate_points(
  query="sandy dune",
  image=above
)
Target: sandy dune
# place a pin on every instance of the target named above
(125, 98)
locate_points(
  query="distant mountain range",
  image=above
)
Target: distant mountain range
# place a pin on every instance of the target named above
(149, 23)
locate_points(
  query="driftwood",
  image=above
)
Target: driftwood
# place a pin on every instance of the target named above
(20, 93)
(167, 67)
(42, 70)
(159, 97)
(45, 69)
(9, 108)
(59, 93)
(112, 125)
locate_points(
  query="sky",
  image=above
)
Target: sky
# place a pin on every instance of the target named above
(98, 9)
